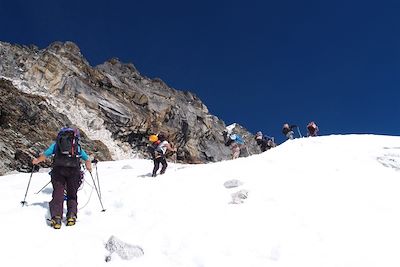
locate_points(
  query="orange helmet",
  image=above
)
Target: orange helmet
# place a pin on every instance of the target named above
(153, 138)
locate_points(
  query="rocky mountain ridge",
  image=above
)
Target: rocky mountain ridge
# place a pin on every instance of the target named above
(114, 106)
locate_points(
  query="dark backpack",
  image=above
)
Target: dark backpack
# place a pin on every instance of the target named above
(67, 148)
(155, 150)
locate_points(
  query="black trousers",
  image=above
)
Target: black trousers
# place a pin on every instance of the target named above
(157, 162)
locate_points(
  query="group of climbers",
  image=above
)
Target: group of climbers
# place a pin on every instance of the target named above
(288, 130)
(236, 143)
(266, 142)
(66, 174)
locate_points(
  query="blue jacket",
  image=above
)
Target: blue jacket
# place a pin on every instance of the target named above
(51, 150)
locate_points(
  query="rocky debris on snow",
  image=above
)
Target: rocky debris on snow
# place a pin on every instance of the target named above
(127, 167)
(391, 159)
(238, 197)
(232, 183)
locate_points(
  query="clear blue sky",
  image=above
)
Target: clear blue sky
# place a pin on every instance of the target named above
(258, 63)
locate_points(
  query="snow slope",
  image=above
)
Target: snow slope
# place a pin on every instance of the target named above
(324, 201)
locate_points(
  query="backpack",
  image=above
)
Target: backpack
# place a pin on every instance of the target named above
(312, 125)
(239, 140)
(67, 148)
(156, 150)
(161, 149)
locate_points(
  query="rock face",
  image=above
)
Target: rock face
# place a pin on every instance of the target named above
(27, 127)
(111, 103)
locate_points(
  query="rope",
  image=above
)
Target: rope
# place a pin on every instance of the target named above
(90, 195)
(87, 202)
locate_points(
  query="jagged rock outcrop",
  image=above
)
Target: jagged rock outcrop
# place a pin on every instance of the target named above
(111, 103)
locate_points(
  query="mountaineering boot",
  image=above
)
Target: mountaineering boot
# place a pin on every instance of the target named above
(56, 222)
(163, 170)
(71, 219)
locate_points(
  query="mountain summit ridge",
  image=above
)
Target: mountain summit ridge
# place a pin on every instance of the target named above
(114, 104)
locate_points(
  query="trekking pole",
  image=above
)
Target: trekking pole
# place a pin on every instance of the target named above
(23, 202)
(95, 187)
(43, 188)
(176, 156)
(298, 130)
(97, 175)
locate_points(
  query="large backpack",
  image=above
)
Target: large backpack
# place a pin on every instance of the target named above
(155, 150)
(311, 126)
(67, 148)
(160, 150)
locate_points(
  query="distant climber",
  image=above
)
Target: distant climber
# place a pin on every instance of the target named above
(158, 149)
(235, 142)
(287, 130)
(265, 142)
(312, 129)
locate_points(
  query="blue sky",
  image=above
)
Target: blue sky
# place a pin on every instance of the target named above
(258, 63)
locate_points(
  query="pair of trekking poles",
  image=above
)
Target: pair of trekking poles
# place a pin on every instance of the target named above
(97, 187)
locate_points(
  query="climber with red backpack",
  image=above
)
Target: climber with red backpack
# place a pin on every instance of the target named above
(312, 129)
(65, 174)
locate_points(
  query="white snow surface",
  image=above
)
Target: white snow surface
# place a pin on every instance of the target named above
(323, 201)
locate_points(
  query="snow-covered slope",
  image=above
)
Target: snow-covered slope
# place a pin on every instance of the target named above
(325, 201)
